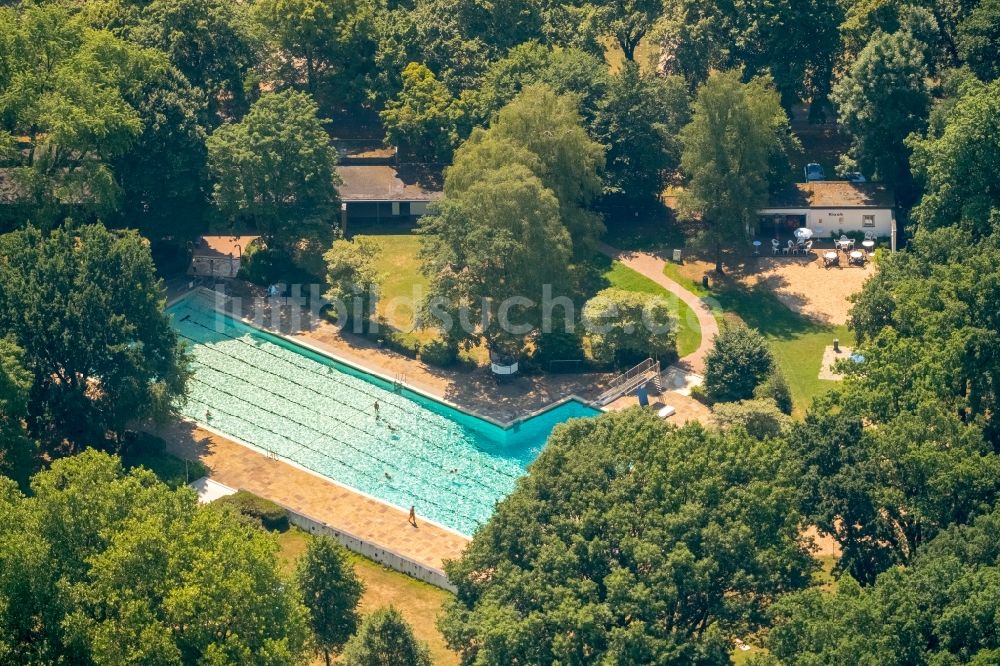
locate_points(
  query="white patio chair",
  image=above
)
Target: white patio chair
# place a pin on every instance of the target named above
(788, 248)
(775, 246)
(870, 235)
(808, 246)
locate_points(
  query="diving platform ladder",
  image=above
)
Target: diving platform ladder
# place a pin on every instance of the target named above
(648, 370)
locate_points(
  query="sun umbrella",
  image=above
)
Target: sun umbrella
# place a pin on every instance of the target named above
(803, 233)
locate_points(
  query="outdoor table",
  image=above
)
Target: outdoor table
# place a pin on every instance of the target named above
(868, 244)
(756, 247)
(830, 257)
(857, 257)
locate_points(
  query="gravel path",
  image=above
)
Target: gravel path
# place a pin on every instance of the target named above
(651, 266)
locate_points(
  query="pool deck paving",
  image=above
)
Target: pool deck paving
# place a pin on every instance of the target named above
(366, 518)
(339, 507)
(473, 391)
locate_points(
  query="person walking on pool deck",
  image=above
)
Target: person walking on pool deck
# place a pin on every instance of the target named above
(376, 410)
(413, 516)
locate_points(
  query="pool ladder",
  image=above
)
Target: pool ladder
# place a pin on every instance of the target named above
(399, 381)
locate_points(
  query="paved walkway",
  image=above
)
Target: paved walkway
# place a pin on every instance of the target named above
(651, 266)
(239, 467)
(474, 391)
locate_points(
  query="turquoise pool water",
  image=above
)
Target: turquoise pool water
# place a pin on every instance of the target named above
(311, 410)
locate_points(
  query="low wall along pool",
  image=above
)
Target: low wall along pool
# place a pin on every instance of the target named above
(307, 408)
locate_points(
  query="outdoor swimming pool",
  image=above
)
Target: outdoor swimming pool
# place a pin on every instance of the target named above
(304, 407)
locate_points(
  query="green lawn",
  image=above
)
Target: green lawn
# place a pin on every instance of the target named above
(419, 602)
(402, 281)
(797, 341)
(688, 331)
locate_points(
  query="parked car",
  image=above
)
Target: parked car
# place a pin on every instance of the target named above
(814, 171)
(855, 177)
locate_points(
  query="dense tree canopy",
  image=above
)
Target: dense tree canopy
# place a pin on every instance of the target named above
(424, 120)
(275, 170)
(795, 42)
(329, 38)
(630, 542)
(550, 126)
(86, 306)
(210, 41)
(958, 162)
(639, 120)
(489, 248)
(735, 130)
(978, 38)
(880, 101)
(98, 566)
(16, 448)
(62, 95)
(940, 610)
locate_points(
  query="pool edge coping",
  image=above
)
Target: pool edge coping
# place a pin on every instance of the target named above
(323, 477)
(506, 425)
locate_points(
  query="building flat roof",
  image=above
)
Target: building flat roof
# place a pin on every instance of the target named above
(832, 194)
(408, 182)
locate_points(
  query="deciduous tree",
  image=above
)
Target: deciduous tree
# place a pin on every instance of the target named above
(331, 591)
(353, 278)
(490, 247)
(330, 39)
(881, 100)
(86, 306)
(978, 39)
(936, 611)
(626, 327)
(275, 170)
(210, 41)
(737, 363)
(549, 125)
(735, 130)
(958, 162)
(640, 119)
(424, 119)
(99, 566)
(630, 542)
(16, 448)
(386, 639)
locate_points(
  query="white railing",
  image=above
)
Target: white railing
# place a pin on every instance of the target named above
(629, 381)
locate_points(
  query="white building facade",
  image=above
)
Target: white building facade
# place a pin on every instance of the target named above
(830, 208)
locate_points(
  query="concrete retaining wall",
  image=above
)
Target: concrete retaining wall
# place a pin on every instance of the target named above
(372, 551)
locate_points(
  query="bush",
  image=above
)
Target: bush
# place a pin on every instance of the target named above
(626, 327)
(558, 346)
(266, 267)
(406, 344)
(270, 515)
(760, 418)
(738, 361)
(775, 388)
(440, 353)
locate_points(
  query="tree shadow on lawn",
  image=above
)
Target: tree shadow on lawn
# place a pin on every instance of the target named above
(761, 309)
